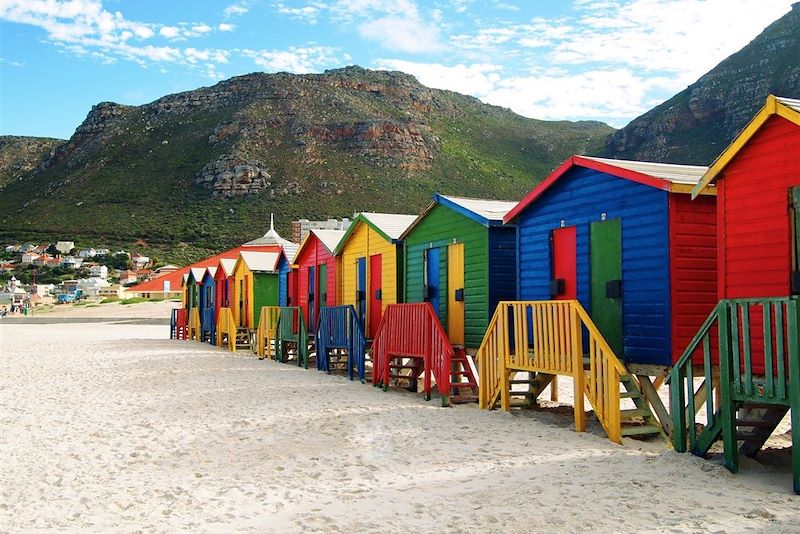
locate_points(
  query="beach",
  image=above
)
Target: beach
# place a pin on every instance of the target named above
(108, 426)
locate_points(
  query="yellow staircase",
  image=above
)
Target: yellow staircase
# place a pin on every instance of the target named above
(544, 339)
(226, 329)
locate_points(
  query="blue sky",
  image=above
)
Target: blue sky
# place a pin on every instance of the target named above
(607, 60)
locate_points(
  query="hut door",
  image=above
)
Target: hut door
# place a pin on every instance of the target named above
(361, 289)
(431, 283)
(455, 293)
(564, 282)
(323, 287)
(605, 271)
(312, 305)
(375, 294)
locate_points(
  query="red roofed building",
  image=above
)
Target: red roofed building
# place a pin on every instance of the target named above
(169, 285)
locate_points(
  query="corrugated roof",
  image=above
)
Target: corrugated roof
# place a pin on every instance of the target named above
(789, 102)
(260, 261)
(677, 174)
(494, 210)
(329, 238)
(391, 224)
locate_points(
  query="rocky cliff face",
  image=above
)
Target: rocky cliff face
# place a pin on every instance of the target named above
(698, 123)
(20, 156)
(210, 165)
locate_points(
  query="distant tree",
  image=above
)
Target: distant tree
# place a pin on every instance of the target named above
(52, 250)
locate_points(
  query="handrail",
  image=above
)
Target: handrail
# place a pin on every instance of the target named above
(178, 323)
(338, 327)
(547, 337)
(291, 328)
(226, 326)
(744, 361)
(413, 331)
(194, 324)
(266, 332)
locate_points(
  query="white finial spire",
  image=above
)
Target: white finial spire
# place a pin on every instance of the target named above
(272, 221)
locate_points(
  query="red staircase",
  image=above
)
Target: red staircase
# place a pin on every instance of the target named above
(463, 384)
(411, 344)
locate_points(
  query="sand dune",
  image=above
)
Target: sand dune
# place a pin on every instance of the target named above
(114, 428)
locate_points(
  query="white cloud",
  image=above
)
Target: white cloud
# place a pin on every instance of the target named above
(234, 10)
(477, 79)
(201, 29)
(402, 34)
(308, 13)
(170, 32)
(297, 60)
(225, 27)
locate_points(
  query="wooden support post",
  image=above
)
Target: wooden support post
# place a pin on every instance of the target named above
(554, 389)
(727, 406)
(578, 374)
(793, 312)
(651, 396)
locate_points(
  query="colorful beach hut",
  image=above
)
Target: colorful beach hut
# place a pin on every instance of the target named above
(206, 304)
(192, 286)
(626, 240)
(460, 257)
(254, 284)
(370, 265)
(315, 270)
(755, 380)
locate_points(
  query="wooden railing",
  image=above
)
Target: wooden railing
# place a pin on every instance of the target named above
(177, 324)
(339, 328)
(547, 337)
(226, 329)
(292, 331)
(413, 331)
(746, 351)
(266, 333)
(194, 324)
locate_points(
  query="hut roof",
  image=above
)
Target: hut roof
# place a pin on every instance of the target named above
(260, 261)
(788, 108)
(482, 211)
(227, 265)
(389, 225)
(665, 176)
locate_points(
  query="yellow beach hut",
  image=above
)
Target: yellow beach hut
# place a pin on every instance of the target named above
(370, 263)
(254, 284)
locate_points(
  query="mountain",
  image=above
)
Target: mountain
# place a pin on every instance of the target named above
(20, 156)
(695, 125)
(205, 168)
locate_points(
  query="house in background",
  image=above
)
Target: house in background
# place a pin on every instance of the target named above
(140, 261)
(87, 253)
(98, 271)
(65, 246)
(28, 258)
(127, 277)
(72, 263)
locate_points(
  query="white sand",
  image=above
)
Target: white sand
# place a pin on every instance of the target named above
(115, 428)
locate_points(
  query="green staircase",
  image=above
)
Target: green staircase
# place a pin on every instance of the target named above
(743, 369)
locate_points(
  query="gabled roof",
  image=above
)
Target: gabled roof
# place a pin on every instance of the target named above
(389, 226)
(329, 238)
(482, 211)
(227, 265)
(260, 261)
(197, 273)
(788, 108)
(210, 272)
(664, 176)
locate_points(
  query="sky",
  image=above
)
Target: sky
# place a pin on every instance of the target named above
(607, 60)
